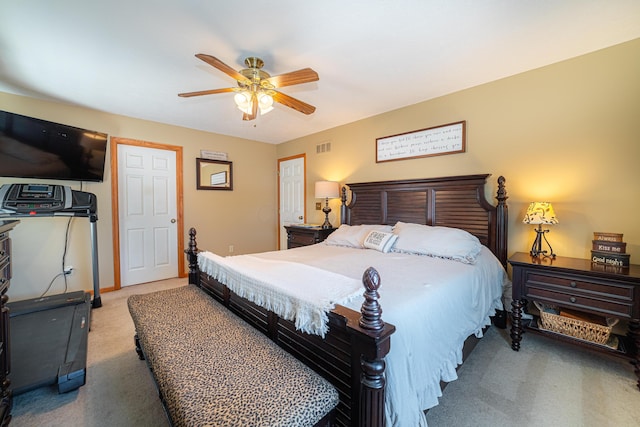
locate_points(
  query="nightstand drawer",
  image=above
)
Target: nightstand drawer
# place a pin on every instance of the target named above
(580, 285)
(302, 239)
(605, 306)
(585, 293)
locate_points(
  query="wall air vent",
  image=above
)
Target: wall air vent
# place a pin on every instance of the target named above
(325, 147)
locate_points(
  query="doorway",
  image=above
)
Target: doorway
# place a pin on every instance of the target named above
(292, 196)
(147, 194)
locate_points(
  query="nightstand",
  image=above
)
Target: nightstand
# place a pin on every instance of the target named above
(305, 235)
(579, 285)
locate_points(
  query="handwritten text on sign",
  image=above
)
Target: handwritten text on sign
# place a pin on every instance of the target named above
(446, 139)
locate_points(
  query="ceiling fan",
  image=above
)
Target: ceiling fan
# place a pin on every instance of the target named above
(256, 88)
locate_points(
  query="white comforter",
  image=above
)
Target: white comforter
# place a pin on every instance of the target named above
(435, 305)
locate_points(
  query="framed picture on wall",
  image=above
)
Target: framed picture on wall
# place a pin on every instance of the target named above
(433, 141)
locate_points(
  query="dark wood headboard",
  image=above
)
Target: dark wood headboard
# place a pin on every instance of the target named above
(457, 201)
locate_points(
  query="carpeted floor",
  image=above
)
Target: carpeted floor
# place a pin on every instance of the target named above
(545, 384)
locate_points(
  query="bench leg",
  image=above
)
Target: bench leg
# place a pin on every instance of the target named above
(138, 348)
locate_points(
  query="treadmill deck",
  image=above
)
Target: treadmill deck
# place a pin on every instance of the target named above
(49, 341)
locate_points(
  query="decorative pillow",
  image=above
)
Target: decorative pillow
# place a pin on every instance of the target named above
(443, 242)
(353, 235)
(380, 240)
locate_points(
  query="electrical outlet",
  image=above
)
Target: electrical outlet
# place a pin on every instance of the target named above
(318, 206)
(230, 249)
(68, 269)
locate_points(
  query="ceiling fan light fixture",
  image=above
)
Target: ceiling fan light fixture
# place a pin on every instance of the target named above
(243, 101)
(265, 102)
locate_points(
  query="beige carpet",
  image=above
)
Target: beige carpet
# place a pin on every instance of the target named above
(545, 384)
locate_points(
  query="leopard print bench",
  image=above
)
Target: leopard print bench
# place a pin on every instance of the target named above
(212, 369)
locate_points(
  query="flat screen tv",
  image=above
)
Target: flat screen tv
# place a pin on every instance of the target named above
(35, 148)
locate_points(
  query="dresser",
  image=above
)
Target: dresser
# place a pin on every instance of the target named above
(305, 235)
(582, 286)
(5, 278)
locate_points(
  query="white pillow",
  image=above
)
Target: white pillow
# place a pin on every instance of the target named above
(353, 235)
(380, 240)
(443, 242)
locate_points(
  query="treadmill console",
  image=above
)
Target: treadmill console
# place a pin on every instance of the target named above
(45, 200)
(35, 198)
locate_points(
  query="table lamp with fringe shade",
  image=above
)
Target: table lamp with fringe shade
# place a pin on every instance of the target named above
(540, 213)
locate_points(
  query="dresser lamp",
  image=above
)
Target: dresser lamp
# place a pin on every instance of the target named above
(540, 213)
(327, 190)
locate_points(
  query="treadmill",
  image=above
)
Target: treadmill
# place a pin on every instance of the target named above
(49, 341)
(49, 335)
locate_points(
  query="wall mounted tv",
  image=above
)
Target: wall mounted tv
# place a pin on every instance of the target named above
(34, 148)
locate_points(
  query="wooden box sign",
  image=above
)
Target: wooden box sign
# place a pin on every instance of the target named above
(435, 141)
(609, 237)
(607, 246)
(608, 258)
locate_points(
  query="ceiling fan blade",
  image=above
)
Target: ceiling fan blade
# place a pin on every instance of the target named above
(305, 75)
(294, 103)
(205, 92)
(215, 62)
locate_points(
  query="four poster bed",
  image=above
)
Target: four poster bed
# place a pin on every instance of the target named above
(434, 297)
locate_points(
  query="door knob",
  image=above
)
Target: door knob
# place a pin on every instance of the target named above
(173, 220)
(300, 217)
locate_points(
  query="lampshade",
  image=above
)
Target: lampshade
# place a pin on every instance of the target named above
(327, 189)
(265, 102)
(243, 101)
(540, 213)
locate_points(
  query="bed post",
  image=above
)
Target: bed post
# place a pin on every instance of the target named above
(343, 206)
(501, 223)
(192, 258)
(372, 364)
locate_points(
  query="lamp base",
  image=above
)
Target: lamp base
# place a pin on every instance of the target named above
(536, 248)
(326, 211)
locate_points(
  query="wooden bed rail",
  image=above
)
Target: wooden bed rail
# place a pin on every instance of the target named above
(351, 356)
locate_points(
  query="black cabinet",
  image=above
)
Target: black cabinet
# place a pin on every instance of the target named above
(5, 278)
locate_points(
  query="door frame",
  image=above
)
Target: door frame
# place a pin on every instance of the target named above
(115, 218)
(304, 165)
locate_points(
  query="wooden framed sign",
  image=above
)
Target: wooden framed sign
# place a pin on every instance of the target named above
(434, 141)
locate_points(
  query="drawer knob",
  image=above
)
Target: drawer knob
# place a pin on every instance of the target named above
(572, 299)
(573, 284)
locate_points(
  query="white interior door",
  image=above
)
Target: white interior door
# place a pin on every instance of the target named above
(147, 214)
(291, 188)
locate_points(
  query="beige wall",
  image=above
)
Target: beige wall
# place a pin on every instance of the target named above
(245, 217)
(566, 133)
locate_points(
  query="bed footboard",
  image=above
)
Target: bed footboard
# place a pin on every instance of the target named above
(351, 356)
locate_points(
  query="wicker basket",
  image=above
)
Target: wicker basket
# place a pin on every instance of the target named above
(551, 320)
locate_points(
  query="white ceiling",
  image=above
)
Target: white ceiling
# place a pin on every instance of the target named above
(132, 57)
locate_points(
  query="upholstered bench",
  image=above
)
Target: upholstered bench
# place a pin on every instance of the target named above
(213, 369)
